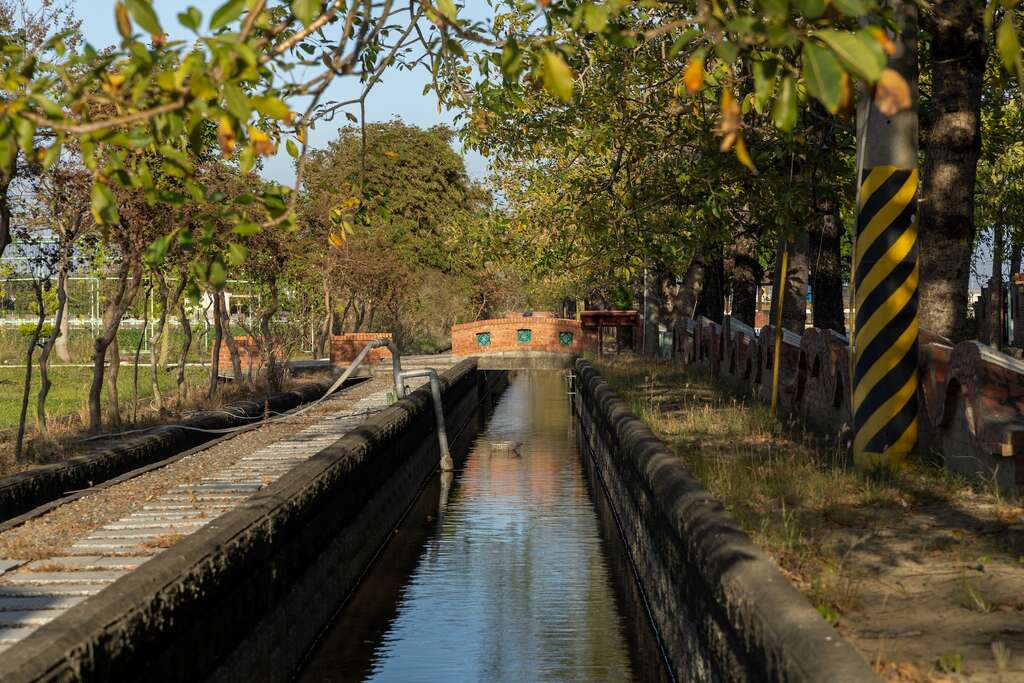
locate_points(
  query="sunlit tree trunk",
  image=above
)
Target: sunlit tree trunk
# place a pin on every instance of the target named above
(221, 309)
(128, 281)
(33, 342)
(794, 295)
(186, 344)
(952, 144)
(49, 345)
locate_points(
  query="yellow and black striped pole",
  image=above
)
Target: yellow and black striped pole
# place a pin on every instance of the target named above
(885, 271)
(885, 266)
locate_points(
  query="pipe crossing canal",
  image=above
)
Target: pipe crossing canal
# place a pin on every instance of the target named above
(340, 552)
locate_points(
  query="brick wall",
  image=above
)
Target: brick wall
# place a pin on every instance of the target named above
(248, 353)
(345, 347)
(521, 333)
(971, 397)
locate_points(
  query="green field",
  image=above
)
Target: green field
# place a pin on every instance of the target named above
(70, 388)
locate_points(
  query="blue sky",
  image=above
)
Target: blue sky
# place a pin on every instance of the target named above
(398, 94)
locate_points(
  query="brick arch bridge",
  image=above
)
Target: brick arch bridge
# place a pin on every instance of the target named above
(537, 340)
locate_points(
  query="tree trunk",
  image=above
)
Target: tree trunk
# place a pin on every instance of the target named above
(327, 324)
(19, 443)
(341, 322)
(63, 326)
(162, 296)
(995, 320)
(654, 306)
(186, 343)
(952, 143)
(5, 211)
(113, 371)
(794, 305)
(711, 302)
(128, 280)
(51, 343)
(745, 273)
(267, 342)
(221, 309)
(360, 312)
(138, 352)
(825, 238)
(218, 334)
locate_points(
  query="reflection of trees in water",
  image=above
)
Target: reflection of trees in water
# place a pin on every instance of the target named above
(523, 537)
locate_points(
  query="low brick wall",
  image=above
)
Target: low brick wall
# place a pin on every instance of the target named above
(521, 333)
(345, 347)
(243, 598)
(724, 612)
(249, 355)
(971, 397)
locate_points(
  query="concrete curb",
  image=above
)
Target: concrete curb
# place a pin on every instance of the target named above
(24, 491)
(244, 597)
(723, 610)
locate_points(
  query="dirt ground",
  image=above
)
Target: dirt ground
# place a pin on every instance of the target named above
(920, 571)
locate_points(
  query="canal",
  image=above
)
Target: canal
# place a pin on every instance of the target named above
(500, 574)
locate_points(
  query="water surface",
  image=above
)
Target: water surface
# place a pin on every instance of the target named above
(500, 575)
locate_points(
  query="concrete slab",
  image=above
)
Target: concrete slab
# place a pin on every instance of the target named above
(10, 636)
(39, 602)
(10, 565)
(84, 577)
(27, 618)
(86, 563)
(57, 589)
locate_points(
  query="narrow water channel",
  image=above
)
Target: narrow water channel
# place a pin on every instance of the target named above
(499, 575)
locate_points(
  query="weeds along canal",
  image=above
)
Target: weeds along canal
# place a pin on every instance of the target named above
(503, 573)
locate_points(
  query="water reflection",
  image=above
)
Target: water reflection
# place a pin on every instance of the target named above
(499, 576)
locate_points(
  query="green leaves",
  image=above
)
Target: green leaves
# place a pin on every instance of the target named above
(306, 10)
(822, 75)
(784, 111)
(812, 9)
(595, 17)
(104, 206)
(859, 53)
(226, 13)
(511, 59)
(557, 76)
(157, 250)
(246, 229)
(143, 14)
(271, 107)
(1008, 45)
(191, 19)
(237, 254)
(237, 102)
(764, 83)
(447, 8)
(852, 8)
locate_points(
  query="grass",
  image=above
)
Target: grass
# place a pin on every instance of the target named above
(844, 537)
(69, 393)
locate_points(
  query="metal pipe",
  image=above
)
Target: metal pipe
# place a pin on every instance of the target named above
(396, 366)
(442, 434)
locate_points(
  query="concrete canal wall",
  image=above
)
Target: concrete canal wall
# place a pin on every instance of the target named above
(244, 597)
(724, 612)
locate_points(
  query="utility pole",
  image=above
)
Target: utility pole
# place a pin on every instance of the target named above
(885, 268)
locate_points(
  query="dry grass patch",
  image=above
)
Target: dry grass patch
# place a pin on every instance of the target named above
(922, 572)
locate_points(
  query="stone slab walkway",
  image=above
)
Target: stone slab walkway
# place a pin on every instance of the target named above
(34, 593)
